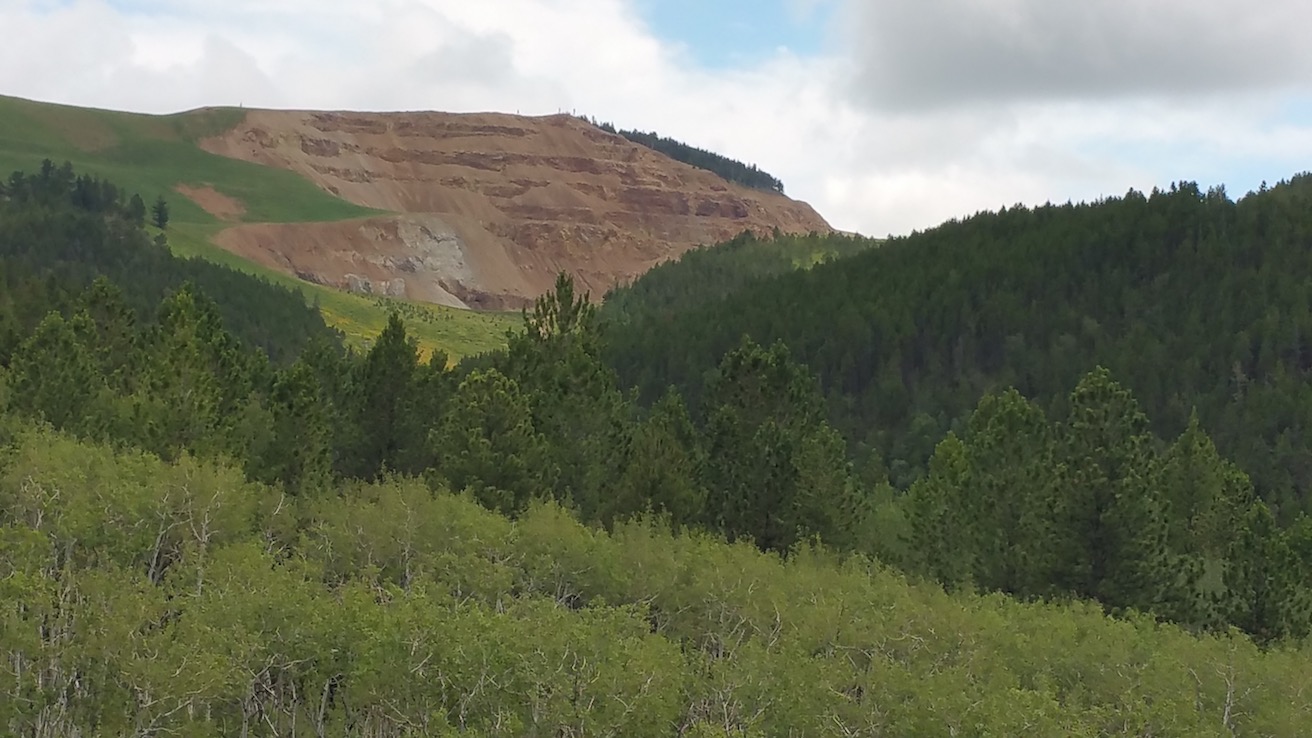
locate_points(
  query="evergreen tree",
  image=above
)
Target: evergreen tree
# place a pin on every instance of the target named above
(53, 374)
(116, 336)
(1013, 496)
(159, 213)
(942, 537)
(298, 453)
(778, 474)
(486, 444)
(664, 466)
(1266, 589)
(1113, 517)
(197, 385)
(382, 404)
(136, 211)
(1208, 497)
(574, 398)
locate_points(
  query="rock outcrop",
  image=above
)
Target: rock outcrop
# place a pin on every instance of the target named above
(487, 208)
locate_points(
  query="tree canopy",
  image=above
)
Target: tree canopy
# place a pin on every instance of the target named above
(196, 539)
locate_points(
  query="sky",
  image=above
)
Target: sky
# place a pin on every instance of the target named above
(886, 115)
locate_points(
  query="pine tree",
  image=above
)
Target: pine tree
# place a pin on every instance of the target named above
(664, 464)
(1266, 593)
(575, 400)
(486, 444)
(299, 452)
(381, 404)
(1114, 522)
(1207, 495)
(116, 337)
(53, 374)
(136, 211)
(1013, 497)
(159, 213)
(196, 383)
(1207, 499)
(942, 536)
(777, 470)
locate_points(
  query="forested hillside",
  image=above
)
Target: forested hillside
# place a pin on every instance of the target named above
(1194, 301)
(711, 273)
(196, 540)
(59, 231)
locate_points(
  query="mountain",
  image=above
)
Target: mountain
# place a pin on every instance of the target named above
(484, 210)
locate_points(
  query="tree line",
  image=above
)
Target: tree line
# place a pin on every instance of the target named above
(728, 169)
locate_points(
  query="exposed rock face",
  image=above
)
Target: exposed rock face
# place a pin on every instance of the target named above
(490, 207)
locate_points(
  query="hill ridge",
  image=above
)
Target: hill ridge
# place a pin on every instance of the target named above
(526, 196)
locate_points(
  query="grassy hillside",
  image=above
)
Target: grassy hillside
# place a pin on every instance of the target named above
(151, 155)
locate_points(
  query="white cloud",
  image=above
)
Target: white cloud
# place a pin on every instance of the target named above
(886, 133)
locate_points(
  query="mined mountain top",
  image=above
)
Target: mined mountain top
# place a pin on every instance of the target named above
(488, 208)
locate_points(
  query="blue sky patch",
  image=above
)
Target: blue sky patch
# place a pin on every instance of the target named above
(723, 34)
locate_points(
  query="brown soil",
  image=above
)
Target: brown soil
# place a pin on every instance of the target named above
(490, 207)
(213, 202)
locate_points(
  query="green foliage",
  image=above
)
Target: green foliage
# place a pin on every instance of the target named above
(779, 475)
(988, 513)
(1111, 516)
(573, 397)
(486, 444)
(1087, 505)
(1192, 299)
(936, 513)
(1016, 484)
(297, 452)
(711, 273)
(665, 468)
(381, 404)
(136, 211)
(141, 597)
(54, 373)
(1267, 592)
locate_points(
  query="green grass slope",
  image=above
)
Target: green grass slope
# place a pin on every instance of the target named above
(151, 155)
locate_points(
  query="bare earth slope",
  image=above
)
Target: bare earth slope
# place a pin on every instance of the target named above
(490, 207)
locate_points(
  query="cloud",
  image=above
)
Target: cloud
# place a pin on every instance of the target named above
(920, 111)
(927, 53)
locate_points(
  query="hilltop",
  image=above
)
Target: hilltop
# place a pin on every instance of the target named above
(486, 209)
